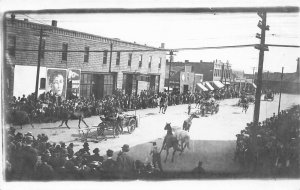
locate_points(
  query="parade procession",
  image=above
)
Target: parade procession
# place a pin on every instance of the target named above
(85, 97)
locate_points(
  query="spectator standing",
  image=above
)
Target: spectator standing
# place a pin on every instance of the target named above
(126, 164)
(109, 165)
(156, 160)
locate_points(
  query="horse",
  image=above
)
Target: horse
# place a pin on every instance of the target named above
(19, 117)
(245, 104)
(245, 107)
(67, 114)
(163, 104)
(188, 122)
(178, 141)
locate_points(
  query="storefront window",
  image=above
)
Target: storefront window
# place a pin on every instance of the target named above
(108, 84)
(85, 85)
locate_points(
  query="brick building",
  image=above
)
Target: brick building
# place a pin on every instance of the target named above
(90, 65)
(211, 72)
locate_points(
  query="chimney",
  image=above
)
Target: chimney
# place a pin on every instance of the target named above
(54, 23)
(25, 20)
(186, 61)
(162, 45)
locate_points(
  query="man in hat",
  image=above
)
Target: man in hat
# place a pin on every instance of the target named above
(156, 160)
(44, 171)
(96, 156)
(29, 159)
(70, 150)
(109, 165)
(199, 169)
(84, 150)
(125, 163)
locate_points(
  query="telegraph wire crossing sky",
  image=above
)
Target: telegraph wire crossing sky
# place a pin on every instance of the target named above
(195, 30)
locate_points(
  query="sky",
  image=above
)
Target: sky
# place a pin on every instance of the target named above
(186, 30)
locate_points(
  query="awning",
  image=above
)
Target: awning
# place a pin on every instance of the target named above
(225, 82)
(218, 84)
(208, 86)
(202, 87)
(253, 85)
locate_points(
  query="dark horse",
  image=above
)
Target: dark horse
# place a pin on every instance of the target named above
(170, 141)
(163, 104)
(67, 114)
(18, 117)
(178, 141)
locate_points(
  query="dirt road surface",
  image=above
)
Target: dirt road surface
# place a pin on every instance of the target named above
(212, 138)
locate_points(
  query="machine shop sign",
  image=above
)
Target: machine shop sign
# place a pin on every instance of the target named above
(74, 80)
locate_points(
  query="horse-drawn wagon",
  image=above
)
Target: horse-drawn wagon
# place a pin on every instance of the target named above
(211, 107)
(207, 107)
(117, 124)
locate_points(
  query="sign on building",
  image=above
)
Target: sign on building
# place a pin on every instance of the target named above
(56, 82)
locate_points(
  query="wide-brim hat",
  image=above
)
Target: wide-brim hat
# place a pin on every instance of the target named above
(96, 150)
(85, 144)
(125, 147)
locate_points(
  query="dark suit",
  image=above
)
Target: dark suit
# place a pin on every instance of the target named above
(109, 168)
(126, 164)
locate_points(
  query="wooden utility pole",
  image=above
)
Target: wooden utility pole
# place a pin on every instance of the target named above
(262, 48)
(110, 57)
(170, 66)
(39, 65)
(280, 90)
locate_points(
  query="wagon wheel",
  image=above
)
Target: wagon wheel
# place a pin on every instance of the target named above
(131, 125)
(101, 129)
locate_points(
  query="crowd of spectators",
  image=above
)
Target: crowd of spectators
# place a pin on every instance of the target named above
(273, 150)
(48, 107)
(34, 158)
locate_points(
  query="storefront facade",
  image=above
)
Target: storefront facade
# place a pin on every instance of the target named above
(115, 65)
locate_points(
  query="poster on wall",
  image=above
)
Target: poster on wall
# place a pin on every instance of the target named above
(74, 83)
(56, 82)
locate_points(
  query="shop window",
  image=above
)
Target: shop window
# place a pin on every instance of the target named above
(85, 85)
(12, 45)
(42, 83)
(150, 61)
(140, 60)
(64, 55)
(86, 54)
(105, 53)
(118, 58)
(129, 59)
(108, 85)
(159, 64)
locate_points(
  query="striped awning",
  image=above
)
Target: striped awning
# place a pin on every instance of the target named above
(253, 85)
(218, 84)
(208, 86)
(202, 87)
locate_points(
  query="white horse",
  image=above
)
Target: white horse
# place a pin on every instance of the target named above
(182, 136)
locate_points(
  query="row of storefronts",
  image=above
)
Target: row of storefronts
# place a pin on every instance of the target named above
(70, 66)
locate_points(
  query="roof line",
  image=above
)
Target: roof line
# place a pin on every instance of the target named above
(68, 30)
(274, 9)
